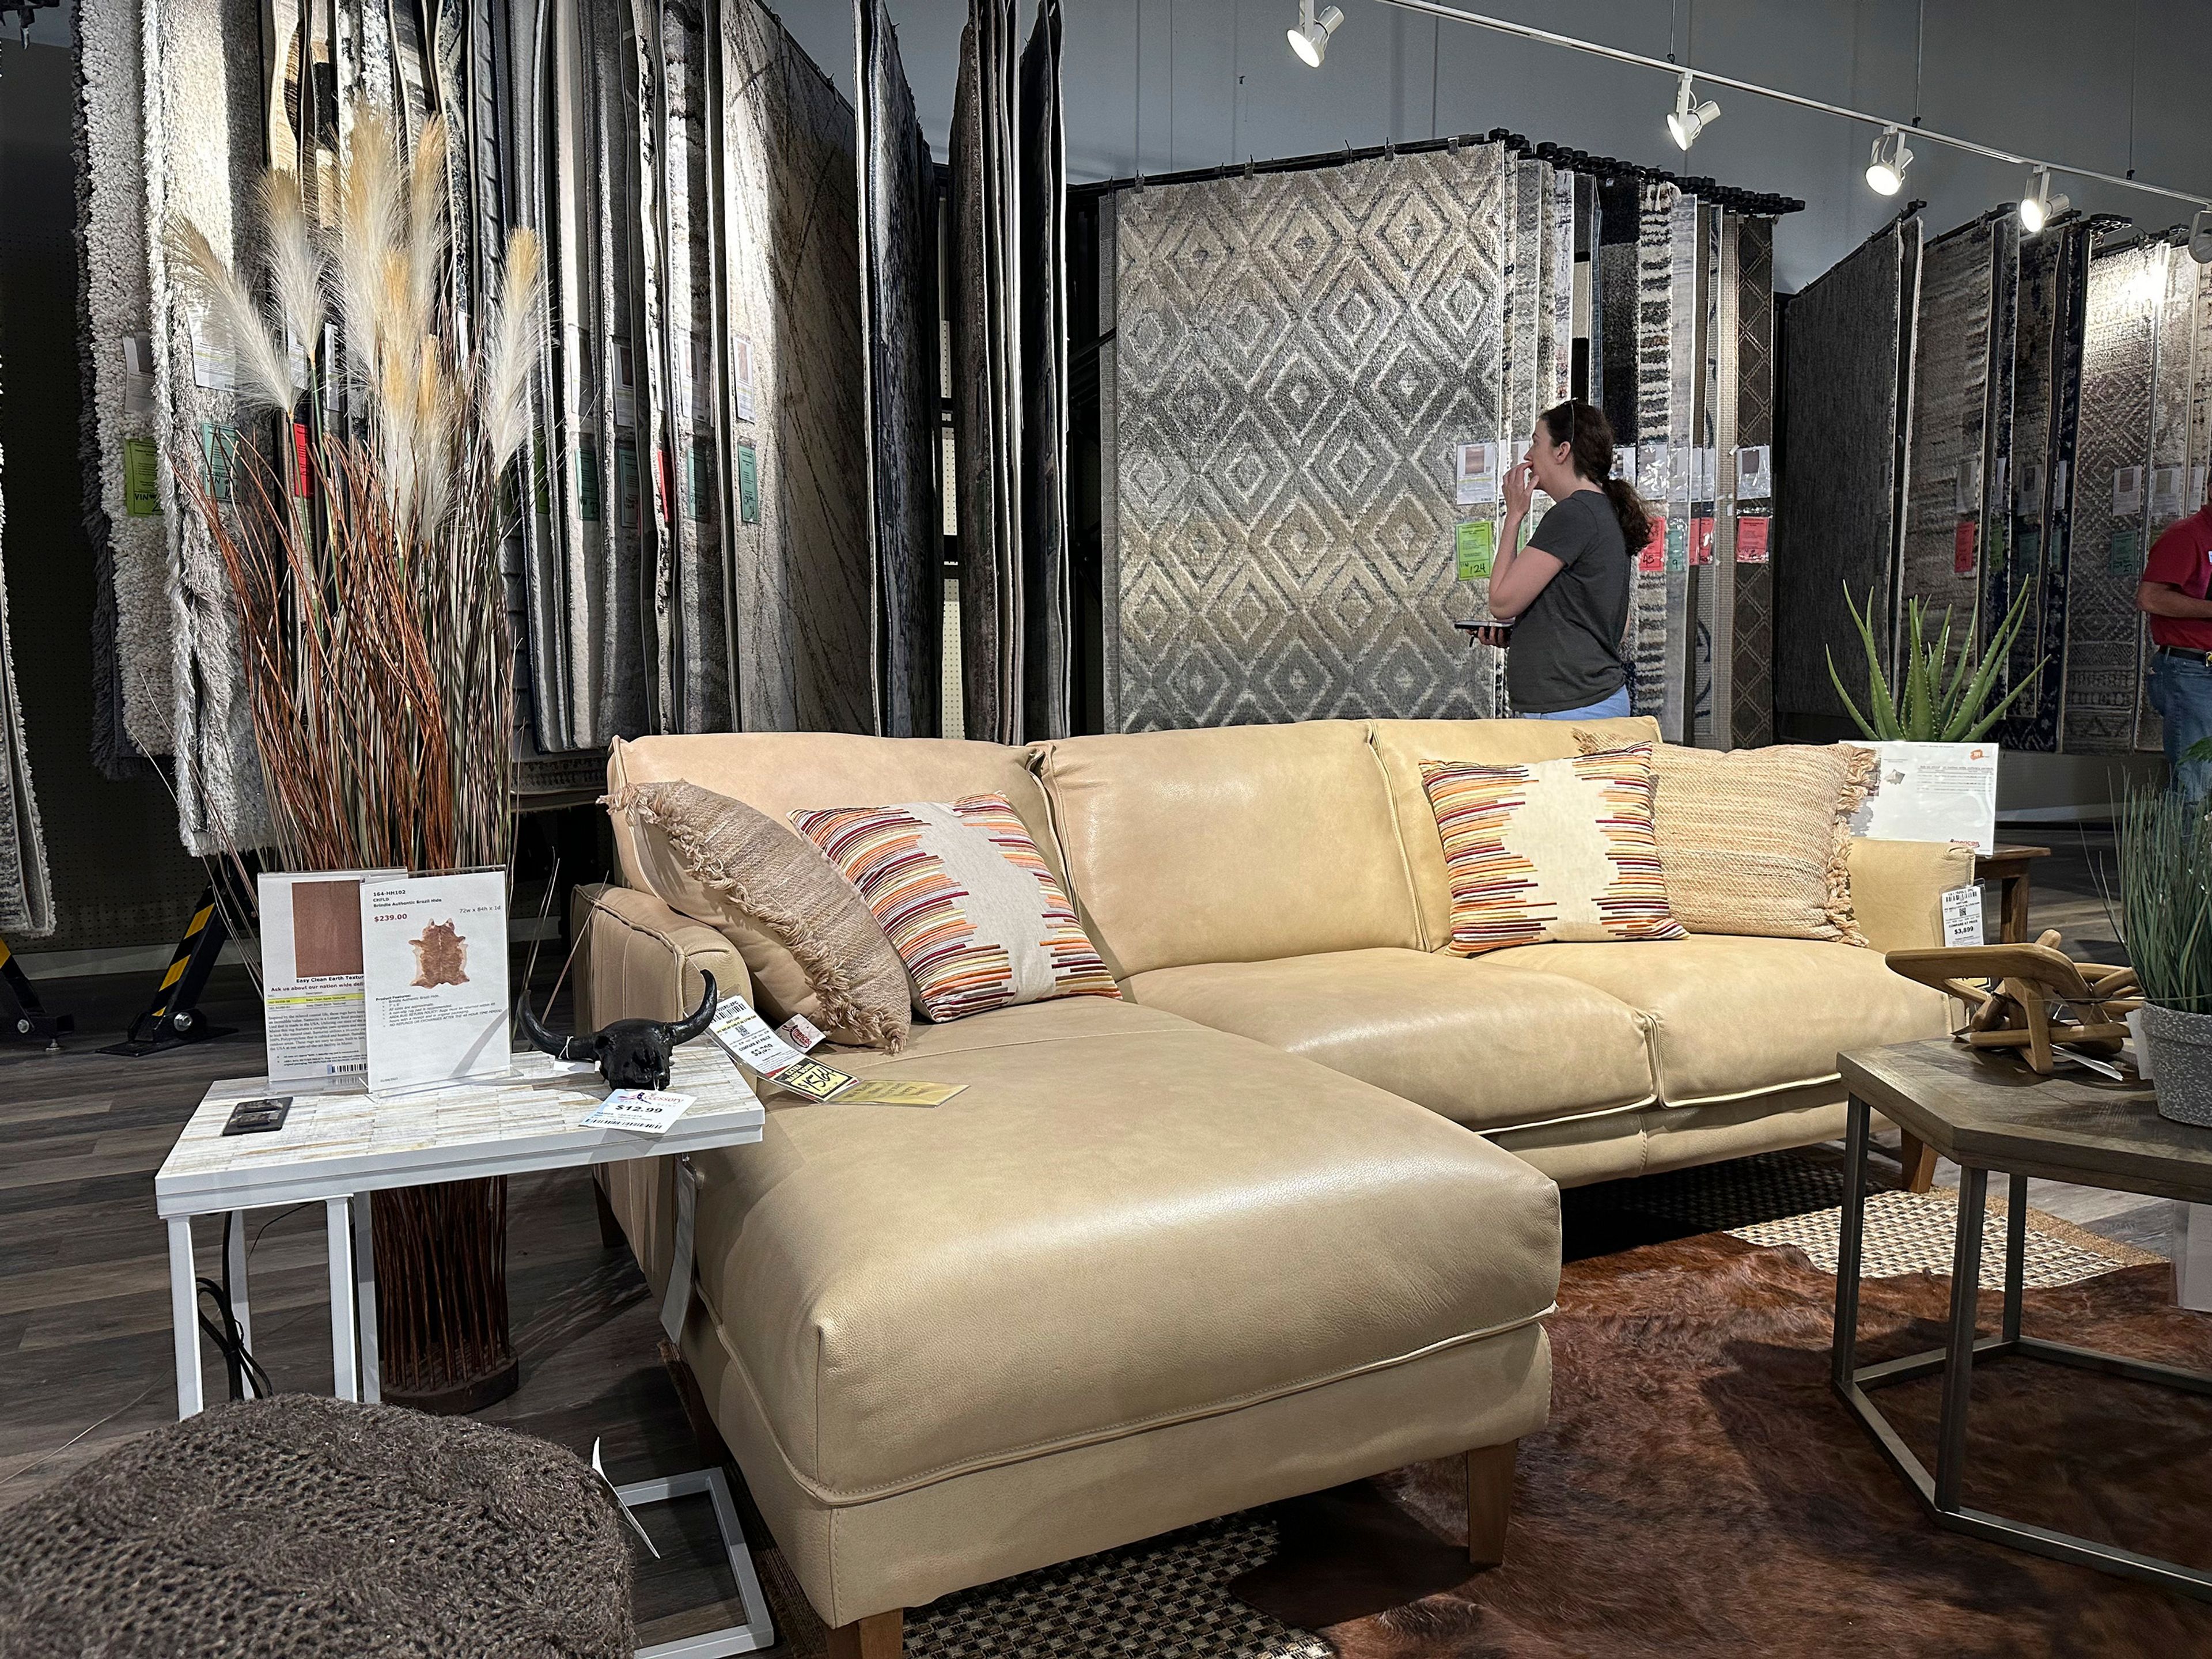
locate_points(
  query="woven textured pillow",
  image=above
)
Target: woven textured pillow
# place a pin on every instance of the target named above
(1553, 851)
(1758, 841)
(960, 889)
(780, 884)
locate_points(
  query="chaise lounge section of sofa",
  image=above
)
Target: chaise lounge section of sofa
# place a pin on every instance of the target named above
(1234, 1238)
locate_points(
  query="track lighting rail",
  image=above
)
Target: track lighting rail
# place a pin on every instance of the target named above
(1546, 37)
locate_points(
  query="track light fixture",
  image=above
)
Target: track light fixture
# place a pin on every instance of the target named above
(1690, 118)
(2039, 207)
(1310, 40)
(1885, 173)
(2200, 237)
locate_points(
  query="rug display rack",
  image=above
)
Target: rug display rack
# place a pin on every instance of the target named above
(1287, 389)
(1009, 378)
(2045, 423)
(726, 517)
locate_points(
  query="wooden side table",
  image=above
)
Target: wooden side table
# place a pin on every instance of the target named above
(1989, 1114)
(2009, 867)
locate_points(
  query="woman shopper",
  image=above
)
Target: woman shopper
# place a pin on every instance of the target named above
(1566, 593)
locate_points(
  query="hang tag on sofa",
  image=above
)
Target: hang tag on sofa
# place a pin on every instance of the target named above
(1962, 916)
(812, 1079)
(746, 1038)
(675, 1301)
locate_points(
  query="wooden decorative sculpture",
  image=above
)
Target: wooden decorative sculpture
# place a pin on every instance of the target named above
(2033, 997)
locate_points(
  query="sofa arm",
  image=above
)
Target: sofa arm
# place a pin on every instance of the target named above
(1898, 888)
(638, 959)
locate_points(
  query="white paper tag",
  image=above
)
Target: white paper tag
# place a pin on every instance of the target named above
(746, 1038)
(1755, 473)
(801, 1034)
(2195, 499)
(215, 365)
(2166, 485)
(1476, 467)
(675, 1301)
(137, 377)
(1624, 461)
(600, 1469)
(1962, 916)
(644, 1111)
(2127, 491)
(741, 375)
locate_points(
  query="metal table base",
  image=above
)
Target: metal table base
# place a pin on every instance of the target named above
(1939, 1493)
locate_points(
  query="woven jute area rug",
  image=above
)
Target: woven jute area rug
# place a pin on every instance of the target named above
(1698, 1489)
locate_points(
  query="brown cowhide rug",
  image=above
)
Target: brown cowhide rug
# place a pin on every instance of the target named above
(1699, 1489)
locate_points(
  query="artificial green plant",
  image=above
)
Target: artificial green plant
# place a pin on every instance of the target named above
(1937, 699)
(2166, 898)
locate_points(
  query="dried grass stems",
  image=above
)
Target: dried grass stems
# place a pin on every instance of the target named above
(364, 558)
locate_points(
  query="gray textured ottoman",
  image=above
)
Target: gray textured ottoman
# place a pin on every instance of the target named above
(311, 1527)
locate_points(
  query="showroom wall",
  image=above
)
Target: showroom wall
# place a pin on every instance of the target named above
(1219, 83)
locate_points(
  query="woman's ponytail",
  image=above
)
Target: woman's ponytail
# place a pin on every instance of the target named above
(1584, 427)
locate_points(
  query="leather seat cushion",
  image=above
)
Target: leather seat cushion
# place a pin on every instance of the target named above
(1125, 1220)
(1733, 1016)
(1484, 1043)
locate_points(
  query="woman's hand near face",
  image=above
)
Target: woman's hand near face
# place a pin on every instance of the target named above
(1520, 488)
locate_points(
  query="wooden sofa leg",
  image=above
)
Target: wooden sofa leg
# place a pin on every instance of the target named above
(1919, 1161)
(880, 1636)
(1489, 1502)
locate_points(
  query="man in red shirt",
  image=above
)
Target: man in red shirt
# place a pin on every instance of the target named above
(2173, 595)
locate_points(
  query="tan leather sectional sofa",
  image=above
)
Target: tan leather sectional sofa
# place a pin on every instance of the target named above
(1231, 1239)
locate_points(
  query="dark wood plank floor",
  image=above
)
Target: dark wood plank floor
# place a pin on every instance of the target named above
(84, 1319)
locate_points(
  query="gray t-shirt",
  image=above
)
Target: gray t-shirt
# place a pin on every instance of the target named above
(1566, 645)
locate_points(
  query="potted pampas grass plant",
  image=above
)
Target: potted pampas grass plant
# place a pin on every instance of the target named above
(359, 524)
(2166, 923)
(362, 550)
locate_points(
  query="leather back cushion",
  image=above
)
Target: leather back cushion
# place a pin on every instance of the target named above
(777, 772)
(1237, 843)
(1402, 745)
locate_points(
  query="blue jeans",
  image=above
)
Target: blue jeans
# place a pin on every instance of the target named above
(1613, 707)
(2181, 691)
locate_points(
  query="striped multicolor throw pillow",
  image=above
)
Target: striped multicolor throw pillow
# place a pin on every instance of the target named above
(970, 906)
(1554, 852)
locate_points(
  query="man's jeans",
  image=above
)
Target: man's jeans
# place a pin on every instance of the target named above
(2181, 691)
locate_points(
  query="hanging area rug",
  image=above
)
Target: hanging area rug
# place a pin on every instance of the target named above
(1699, 1491)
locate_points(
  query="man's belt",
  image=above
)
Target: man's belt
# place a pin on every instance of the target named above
(2187, 653)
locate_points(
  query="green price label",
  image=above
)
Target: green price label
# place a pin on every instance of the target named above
(748, 484)
(1678, 544)
(142, 479)
(1475, 545)
(626, 481)
(699, 475)
(2124, 556)
(587, 483)
(219, 450)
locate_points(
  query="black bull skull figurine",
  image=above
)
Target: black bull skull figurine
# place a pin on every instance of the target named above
(631, 1053)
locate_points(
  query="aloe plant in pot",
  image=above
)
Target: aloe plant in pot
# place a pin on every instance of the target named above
(2165, 921)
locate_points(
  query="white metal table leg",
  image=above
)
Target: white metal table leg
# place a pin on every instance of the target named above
(364, 1296)
(185, 1314)
(234, 1272)
(345, 1378)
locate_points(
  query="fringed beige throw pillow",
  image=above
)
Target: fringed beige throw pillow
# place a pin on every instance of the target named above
(775, 881)
(1758, 841)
